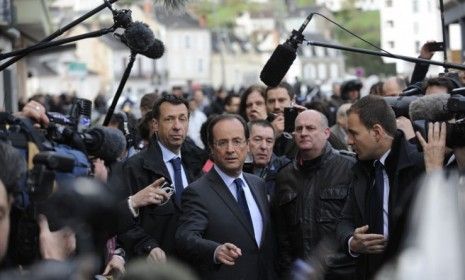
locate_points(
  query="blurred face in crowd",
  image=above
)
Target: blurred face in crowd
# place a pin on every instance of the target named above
(261, 143)
(172, 125)
(255, 108)
(310, 134)
(198, 96)
(391, 87)
(435, 90)
(364, 141)
(5, 205)
(233, 106)
(277, 99)
(229, 146)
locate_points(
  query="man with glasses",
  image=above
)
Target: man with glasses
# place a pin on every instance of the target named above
(151, 233)
(224, 230)
(311, 193)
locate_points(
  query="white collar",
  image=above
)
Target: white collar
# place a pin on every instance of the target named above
(228, 180)
(167, 154)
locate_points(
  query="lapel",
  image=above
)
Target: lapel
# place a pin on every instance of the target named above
(363, 179)
(260, 202)
(223, 192)
(152, 160)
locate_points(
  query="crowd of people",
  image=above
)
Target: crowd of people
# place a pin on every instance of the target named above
(236, 186)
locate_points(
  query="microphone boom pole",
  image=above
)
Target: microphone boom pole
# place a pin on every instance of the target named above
(45, 45)
(125, 77)
(401, 57)
(62, 30)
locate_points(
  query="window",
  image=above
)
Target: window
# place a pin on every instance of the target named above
(391, 44)
(417, 46)
(388, 3)
(415, 6)
(390, 23)
(200, 65)
(187, 42)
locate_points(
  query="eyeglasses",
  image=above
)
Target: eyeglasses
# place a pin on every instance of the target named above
(169, 189)
(236, 143)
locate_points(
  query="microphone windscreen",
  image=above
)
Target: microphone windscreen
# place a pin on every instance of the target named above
(430, 108)
(109, 143)
(138, 37)
(156, 50)
(277, 66)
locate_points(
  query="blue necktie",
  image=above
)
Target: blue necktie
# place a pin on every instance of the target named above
(242, 201)
(178, 186)
(376, 200)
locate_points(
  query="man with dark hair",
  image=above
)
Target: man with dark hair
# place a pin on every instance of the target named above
(276, 99)
(224, 230)
(441, 84)
(311, 192)
(383, 183)
(264, 163)
(231, 103)
(152, 233)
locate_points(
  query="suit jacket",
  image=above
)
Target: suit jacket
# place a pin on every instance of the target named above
(156, 225)
(210, 217)
(404, 165)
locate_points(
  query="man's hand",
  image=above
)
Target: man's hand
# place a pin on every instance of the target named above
(425, 53)
(278, 125)
(405, 125)
(152, 194)
(115, 266)
(435, 149)
(157, 255)
(36, 111)
(57, 245)
(227, 253)
(367, 243)
(100, 170)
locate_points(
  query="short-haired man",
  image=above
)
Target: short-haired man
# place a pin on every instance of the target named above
(152, 233)
(265, 163)
(276, 99)
(231, 103)
(384, 180)
(311, 192)
(225, 230)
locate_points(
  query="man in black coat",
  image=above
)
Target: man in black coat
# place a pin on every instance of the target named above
(310, 195)
(225, 230)
(152, 231)
(384, 179)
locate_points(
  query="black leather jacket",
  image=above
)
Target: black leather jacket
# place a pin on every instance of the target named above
(310, 196)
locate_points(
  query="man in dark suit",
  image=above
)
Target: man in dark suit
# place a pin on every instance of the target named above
(152, 230)
(383, 185)
(224, 230)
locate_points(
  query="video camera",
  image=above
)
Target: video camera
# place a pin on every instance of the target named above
(421, 110)
(56, 156)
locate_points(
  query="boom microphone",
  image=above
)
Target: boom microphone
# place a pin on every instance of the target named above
(283, 56)
(138, 37)
(107, 143)
(432, 108)
(156, 50)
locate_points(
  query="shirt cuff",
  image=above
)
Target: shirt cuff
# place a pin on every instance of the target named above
(355, 255)
(134, 212)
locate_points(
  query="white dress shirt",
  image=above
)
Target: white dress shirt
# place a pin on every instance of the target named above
(251, 203)
(169, 155)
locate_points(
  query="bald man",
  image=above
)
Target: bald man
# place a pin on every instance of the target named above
(311, 192)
